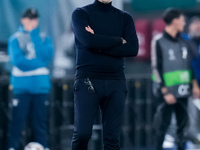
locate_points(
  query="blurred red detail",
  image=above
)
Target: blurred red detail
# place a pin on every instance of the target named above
(158, 26)
(143, 29)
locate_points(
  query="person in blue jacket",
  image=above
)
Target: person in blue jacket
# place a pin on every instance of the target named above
(29, 52)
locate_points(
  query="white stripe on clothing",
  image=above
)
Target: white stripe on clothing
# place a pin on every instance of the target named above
(154, 57)
(19, 73)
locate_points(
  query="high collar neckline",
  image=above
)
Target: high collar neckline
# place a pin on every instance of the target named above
(103, 6)
(170, 37)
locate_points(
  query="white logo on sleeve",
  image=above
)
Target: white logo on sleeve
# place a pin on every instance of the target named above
(184, 52)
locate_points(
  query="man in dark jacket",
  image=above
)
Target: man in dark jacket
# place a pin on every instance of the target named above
(194, 43)
(172, 75)
(104, 35)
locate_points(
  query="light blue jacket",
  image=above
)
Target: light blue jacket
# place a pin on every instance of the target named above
(30, 53)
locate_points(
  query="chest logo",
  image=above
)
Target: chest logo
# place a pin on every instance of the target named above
(30, 51)
(171, 54)
(184, 52)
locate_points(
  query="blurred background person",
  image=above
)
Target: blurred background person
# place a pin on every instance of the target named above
(194, 43)
(194, 29)
(193, 38)
(171, 66)
(30, 52)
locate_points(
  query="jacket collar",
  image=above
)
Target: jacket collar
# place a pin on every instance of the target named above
(21, 29)
(168, 36)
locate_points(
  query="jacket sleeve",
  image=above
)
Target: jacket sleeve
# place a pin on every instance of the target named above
(43, 46)
(193, 57)
(18, 59)
(80, 20)
(156, 62)
(130, 48)
(196, 68)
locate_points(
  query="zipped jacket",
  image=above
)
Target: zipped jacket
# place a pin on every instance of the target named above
(30, 53)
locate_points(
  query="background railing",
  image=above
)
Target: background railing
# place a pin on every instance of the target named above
(137, 124)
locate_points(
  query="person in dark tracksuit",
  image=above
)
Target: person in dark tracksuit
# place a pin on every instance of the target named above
(30, 52)
(104, 35)
(172, 75)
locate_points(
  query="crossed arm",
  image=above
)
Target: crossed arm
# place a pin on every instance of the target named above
(89, 29)
(112, 46)
(92, 41)
(43, 49)
(19, 60)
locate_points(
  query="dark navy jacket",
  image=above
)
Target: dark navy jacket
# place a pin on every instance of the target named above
(100, 55)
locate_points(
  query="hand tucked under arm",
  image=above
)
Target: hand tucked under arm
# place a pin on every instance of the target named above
(89, 29)
(130, 45)
(123, 41)
(117, 50)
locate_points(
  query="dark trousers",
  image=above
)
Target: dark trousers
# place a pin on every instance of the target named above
(163, 120)
(24, 106)
(110, 95)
